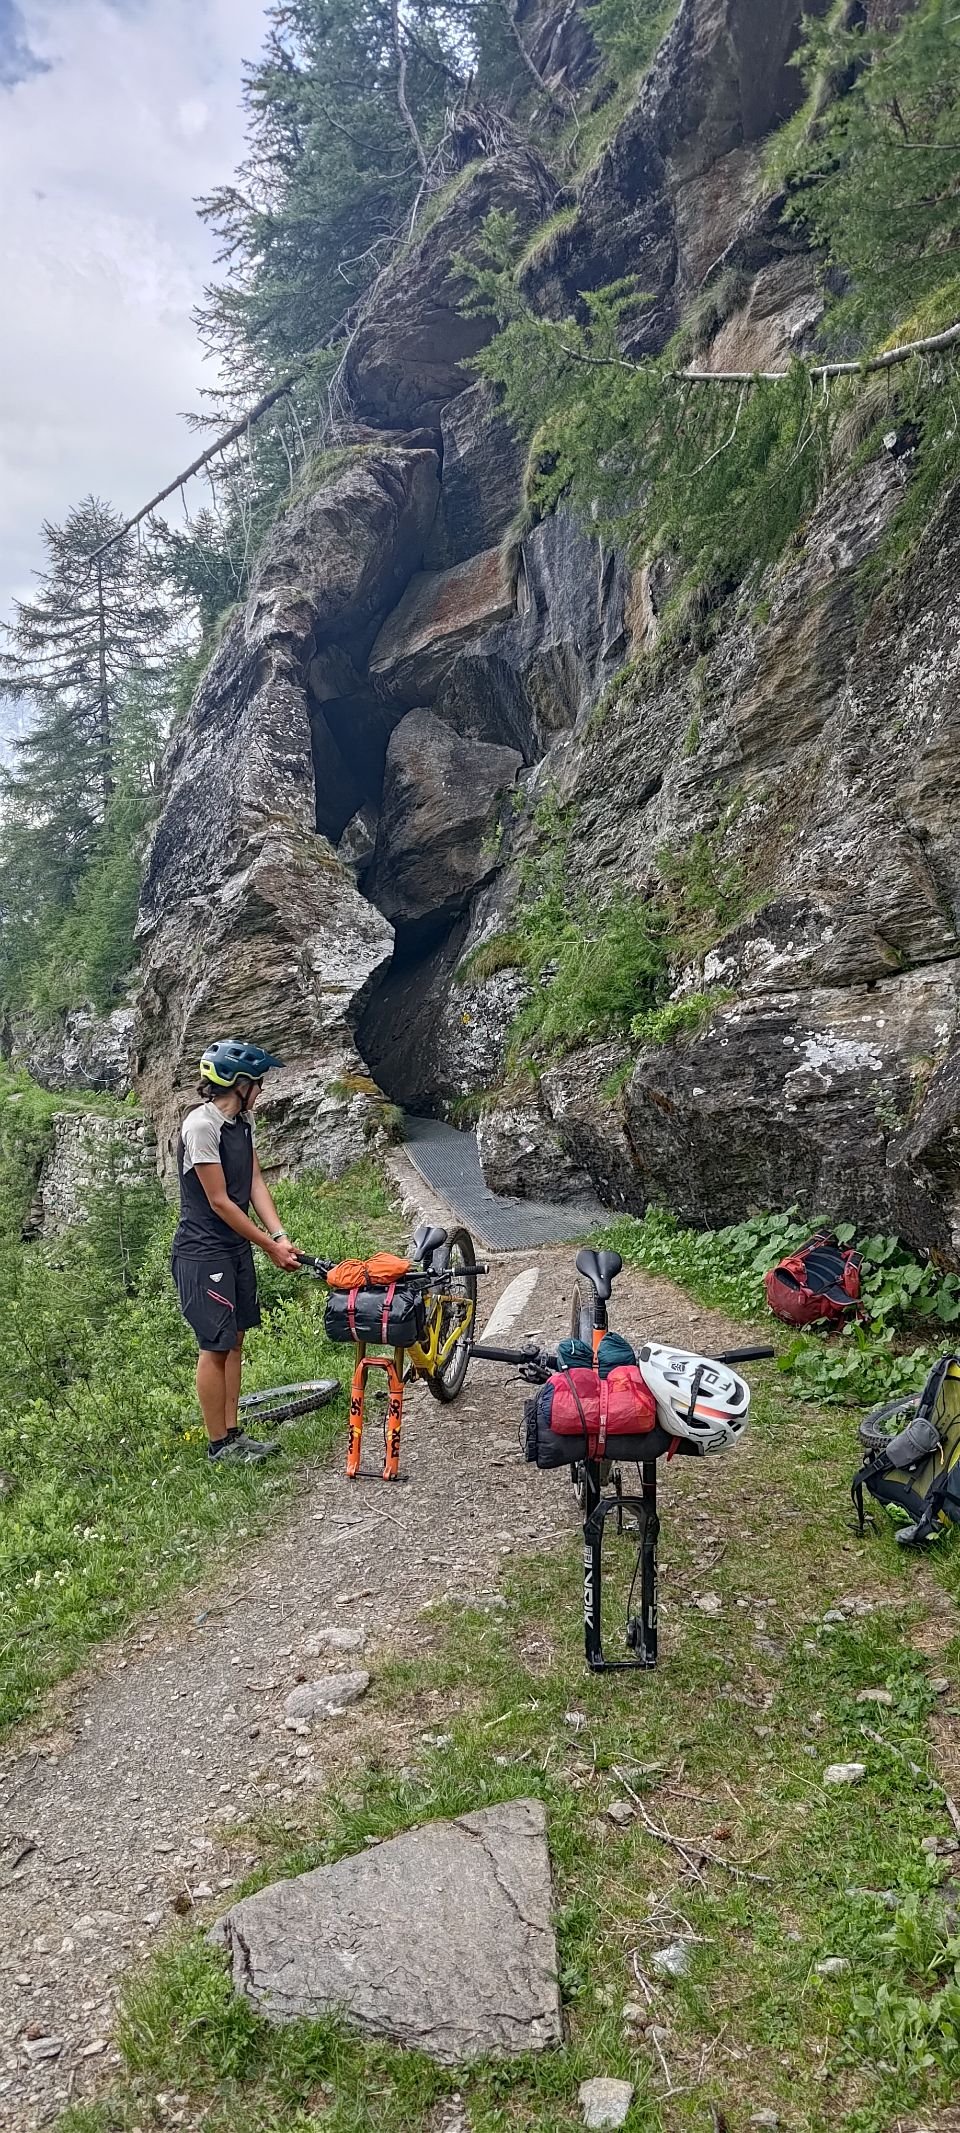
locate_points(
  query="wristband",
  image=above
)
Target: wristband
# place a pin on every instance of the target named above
(276, 1234)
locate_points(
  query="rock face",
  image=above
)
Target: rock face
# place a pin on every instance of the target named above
(88, 1149)
(681, 174)
(89, 1051)
(247, 921)
(439, 1939)
(338, 868)
(406, 360)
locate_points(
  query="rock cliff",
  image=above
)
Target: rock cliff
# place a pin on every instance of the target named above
(355, 805)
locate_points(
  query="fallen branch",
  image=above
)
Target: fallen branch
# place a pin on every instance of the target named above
(690, 1849)
(230, 436)
(864, 367)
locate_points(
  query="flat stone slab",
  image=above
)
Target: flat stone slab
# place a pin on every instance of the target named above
(439, 1939)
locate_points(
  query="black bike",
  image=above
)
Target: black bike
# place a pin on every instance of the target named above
(635, 1515)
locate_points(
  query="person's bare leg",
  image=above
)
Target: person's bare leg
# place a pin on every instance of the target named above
(212, 1393)
(234, 1363)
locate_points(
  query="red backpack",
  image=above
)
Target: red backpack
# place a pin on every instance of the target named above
(818, 1284)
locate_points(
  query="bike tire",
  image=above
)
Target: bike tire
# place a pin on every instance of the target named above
(447, 1384)
(273, 1405)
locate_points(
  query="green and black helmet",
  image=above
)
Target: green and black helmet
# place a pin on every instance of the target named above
(231, 1060)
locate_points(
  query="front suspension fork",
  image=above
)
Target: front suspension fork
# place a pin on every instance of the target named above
(641, 1629)
(393, 1365)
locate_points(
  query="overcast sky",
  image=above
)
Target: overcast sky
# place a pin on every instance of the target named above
(114, 116)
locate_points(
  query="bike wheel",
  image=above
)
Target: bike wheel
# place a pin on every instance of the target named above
(458, 1271)
(280, 1403)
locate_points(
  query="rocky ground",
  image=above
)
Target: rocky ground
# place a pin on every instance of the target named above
(131, 1806)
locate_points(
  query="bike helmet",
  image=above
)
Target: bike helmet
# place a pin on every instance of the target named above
(698, 1399)
(231, 1061)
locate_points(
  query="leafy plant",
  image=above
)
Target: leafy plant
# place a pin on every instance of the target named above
(678, 1018)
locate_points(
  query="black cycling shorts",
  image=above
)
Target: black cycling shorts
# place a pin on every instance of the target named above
(218, 1296)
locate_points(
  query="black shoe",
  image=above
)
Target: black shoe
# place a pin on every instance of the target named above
(240, 1450)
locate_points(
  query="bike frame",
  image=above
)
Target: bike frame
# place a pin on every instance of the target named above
(597, 1508)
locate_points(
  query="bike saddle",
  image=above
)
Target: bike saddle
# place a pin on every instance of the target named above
(427, 1240)
(601, 1268)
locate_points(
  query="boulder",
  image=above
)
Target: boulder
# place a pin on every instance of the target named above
(439, 1940)
(524, 683)
(582, 1096)
(409, 352)
(792, 1099)
(436, 833)
(247, 922)
(440, 613)
(522, 1158)
(482, 482)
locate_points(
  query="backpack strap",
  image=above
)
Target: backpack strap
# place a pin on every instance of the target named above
(385, 1315)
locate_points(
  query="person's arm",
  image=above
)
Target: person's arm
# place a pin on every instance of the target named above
(261, 1201)
(214, 1184)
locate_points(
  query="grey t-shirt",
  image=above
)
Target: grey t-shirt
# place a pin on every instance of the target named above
(207, 1136)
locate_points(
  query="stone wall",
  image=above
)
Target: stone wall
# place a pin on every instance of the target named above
(86, 1147)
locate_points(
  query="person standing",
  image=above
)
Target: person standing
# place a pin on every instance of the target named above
(212, 1262)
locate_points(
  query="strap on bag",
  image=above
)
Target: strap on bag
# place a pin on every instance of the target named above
(604, 1414)
(385, 1316)
(352, 1312)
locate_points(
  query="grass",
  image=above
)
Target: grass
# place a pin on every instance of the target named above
(726, 1747)
(115, 1505)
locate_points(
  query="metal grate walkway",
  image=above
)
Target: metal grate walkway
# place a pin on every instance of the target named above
(449, 1162)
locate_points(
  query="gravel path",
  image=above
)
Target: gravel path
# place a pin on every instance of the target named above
(136, 1804)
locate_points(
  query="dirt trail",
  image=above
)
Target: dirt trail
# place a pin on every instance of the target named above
(177, 1735)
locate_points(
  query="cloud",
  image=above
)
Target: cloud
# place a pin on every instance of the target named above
(17, 61)
(122, 113)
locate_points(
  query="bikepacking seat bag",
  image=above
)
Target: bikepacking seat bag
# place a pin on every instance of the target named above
(818, 1284)
(918, 1468)
(579, 1414)
(395, 1316)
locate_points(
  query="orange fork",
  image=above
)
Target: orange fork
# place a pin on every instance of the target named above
(393, 1365)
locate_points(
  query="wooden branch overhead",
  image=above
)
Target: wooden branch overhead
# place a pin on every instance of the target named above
(863, 367)
(230, 436)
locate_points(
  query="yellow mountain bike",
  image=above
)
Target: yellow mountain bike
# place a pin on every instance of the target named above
(444, 1276)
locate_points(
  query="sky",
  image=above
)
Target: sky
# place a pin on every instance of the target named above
(114, 116)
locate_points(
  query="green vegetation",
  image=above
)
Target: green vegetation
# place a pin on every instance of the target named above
(678, 1018)
(114, 1504)
(724, 477)
(907, 1305)
(873, 169)
(629, 31)
(727, 1751)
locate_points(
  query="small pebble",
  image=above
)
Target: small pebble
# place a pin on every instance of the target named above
(844, 1773)
(832, 1966)
(710, 1603)
(940, 1685)
(673, 1961)
(621, 1813)
(876, 1696)
(38, 2048)
(764, 2118)
(604, 2102)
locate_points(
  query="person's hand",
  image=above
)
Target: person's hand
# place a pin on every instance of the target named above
(284, 1254)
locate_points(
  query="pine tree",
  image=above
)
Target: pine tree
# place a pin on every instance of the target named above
(96, 619)
(94, 656)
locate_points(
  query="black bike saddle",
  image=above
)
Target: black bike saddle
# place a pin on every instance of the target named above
(427, 1240)
(601, 1268)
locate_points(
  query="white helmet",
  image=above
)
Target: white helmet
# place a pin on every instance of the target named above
(696, 1398)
